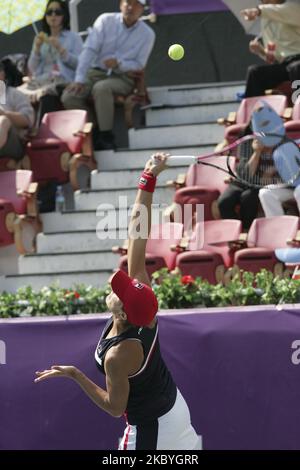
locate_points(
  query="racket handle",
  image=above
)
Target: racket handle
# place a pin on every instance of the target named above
(180, 160)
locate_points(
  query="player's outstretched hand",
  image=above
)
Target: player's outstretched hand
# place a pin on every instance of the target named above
(56, 371)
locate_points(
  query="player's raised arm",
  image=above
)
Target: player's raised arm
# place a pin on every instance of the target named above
(140, 222)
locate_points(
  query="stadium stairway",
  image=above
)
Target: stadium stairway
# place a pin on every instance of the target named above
(75, 246)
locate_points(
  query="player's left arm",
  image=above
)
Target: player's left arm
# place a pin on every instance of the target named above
(114, 399)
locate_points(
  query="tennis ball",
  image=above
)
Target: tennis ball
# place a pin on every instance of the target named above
(176, 52)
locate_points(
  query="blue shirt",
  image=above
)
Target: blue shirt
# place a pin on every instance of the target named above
(41, 65)
(111, 38)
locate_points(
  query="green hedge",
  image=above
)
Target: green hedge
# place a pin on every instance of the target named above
(172, 290)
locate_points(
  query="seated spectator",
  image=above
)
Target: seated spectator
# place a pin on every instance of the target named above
(238, 193)
(53, 59)
(117, 45)
(20, 61)
(16, 115)
(14, 69)
(280, 23)
(255, 160)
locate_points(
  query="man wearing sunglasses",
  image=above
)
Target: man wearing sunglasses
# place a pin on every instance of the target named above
(118, 44)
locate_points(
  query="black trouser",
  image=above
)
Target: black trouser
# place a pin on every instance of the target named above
(263, 77)
(247, 198)
(50, 103)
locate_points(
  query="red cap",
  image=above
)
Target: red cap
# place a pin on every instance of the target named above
(139, 301)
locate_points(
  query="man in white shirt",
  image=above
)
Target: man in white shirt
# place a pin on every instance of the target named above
(280, 24)
(117, 44)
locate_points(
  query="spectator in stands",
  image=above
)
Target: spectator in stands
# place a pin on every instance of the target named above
(16, 115)
(54, 57)
(117, 45)
(280, 23)
(239, 194)
(256, 165)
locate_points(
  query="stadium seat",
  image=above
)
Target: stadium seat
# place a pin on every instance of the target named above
(265, 235)
(158, 250)
(209, 252)
(139, 96)
(19, 221)
(284, 88)
(62, 144)
(293, 126)
(236, 122)
(201, 185)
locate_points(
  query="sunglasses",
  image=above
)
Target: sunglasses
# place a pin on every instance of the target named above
(55, 11)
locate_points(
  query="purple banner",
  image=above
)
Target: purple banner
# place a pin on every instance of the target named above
(238, 370)
(168, 7)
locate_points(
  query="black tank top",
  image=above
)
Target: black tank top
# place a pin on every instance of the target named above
(152, 389)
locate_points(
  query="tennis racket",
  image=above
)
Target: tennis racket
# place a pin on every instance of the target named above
(255, 164)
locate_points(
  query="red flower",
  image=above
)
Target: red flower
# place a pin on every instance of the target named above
(76, 295)
(186, 280)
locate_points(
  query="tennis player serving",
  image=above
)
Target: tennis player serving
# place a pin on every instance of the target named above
(138, 383)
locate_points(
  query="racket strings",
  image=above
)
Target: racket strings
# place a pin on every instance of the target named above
(256, 171)
(256, 166)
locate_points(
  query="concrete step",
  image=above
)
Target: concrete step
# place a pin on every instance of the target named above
(179, 136)
(12, 283)
(114, 200)
(8, 260)
(195, 94)
(69, 221)
(90, 220)
(72, 242)
(101, 180)
(67, 262)
(174, 115)
(128, 159)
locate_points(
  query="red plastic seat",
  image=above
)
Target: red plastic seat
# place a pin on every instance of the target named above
(63, 143)
(243, 115)
(14, 185)
(158, 250)
(6, 215)
(265, 235)
(293, 126)
(18, 207)
(284, 88)
(209, 253)
(138, 97)
(203, 185)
